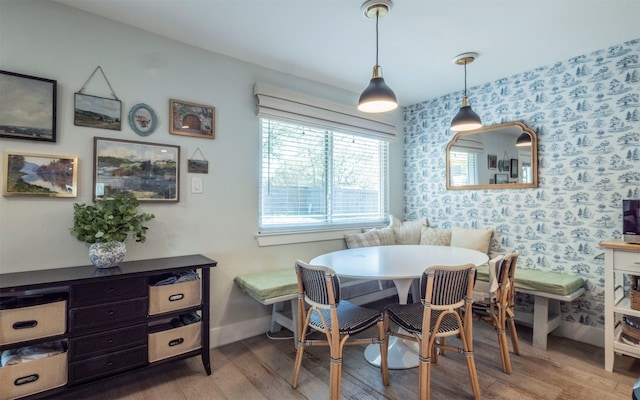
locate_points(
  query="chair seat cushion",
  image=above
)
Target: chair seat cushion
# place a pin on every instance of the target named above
(268, 284)
(542, 281)
(352, 318)
(409, 317)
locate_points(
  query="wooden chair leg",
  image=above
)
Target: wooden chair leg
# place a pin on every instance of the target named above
(424, 383)
(334, 379)
(514, 334)
(297, 365)
(504, 351)
(471, 365)
(384, 366)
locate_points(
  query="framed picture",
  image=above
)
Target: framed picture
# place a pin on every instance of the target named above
(142, 119)
(492, 161)
(29, 174)
(27, 107)
(148, 170)
(191, 119)
(198, 166)
(514, 168)
(97, 112)
(502, 178)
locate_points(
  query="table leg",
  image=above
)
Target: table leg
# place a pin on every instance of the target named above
(402, 354)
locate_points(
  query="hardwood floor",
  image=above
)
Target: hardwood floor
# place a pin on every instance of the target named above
(260, 368)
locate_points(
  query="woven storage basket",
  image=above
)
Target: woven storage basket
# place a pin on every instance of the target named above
(634, 294)
(631, 332)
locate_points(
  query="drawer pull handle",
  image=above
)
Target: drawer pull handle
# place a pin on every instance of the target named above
(176, 342)
(111, 313)
(110, 364)
(176, 297)
(26, 379)
(111, 290)
(110, 341)
(25, 324)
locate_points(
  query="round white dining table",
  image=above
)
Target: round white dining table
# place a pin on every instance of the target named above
(401, 264)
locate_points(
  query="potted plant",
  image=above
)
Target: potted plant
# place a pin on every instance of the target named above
(107, 224)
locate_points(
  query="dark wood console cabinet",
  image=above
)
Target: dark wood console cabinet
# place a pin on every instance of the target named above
(109, 321)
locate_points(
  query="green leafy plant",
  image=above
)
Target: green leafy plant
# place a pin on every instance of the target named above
(112, 219)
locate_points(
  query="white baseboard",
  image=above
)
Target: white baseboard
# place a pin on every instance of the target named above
(583, 333)
(226, 334)
(242, 330)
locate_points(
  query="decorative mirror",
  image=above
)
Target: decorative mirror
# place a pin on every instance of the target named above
(493, 157)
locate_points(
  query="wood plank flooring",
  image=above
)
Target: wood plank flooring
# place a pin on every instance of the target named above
(260, 368)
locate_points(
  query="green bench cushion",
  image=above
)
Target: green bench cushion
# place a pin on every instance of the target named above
(268, 284)
(542, 281)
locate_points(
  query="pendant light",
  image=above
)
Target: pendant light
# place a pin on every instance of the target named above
(523, 140)
(377, 97)
(465, 119)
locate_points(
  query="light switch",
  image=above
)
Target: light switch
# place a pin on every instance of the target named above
(196, 185)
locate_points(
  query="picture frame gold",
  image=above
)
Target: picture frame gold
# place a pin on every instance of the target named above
(43, 175)
(192, 119)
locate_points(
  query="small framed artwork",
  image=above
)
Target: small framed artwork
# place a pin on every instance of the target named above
(28, 107)
(191, 119)
(501, 178)
(514, 168)
(198, 166)
(142, 119)
(148, 170)
(30, 174)
(97, 112)
(492, 161)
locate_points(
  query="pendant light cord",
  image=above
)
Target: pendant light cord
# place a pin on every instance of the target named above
(377, 14)
(465, 78)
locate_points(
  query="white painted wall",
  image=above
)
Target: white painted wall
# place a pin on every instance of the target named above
(53, 41)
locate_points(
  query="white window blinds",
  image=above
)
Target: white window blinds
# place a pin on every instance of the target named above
(316, 176)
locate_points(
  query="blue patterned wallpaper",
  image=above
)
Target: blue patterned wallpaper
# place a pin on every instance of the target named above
(586, 112)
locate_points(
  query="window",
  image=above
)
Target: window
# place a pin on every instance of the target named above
(313, 177)
(463, 167)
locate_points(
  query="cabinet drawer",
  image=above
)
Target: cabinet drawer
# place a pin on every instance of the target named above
(104, 292)
(627, 260)
(33, 322)
(107, 365)
(107, 314)
(32, 377)
(108, 342)
(175, 341)
(167, 298)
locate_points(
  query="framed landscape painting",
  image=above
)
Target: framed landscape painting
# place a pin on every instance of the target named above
(27, 107)
(47, 175)
(150, 171)
(97, 112)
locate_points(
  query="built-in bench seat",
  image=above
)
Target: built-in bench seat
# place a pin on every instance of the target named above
(548, 290)
(277, 287)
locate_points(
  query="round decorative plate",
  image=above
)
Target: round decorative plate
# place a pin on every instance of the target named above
(142, 119)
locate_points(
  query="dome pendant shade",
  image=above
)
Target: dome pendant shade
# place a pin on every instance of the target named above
(466, 119)
(377, 97)
(523, 140)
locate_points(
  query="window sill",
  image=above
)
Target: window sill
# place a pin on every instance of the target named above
(276, 239)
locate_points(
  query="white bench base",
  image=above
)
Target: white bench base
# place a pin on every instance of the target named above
(546, 314)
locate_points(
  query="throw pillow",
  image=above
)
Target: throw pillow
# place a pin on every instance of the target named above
(365, 239)
(476, 239)
(386, 235)
(436, 237)
(409, 231)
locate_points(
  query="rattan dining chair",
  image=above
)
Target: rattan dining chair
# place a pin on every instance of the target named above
(320, 308)
(498, 308)
(444, 291)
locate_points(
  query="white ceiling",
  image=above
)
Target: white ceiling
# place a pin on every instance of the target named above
(332, 41)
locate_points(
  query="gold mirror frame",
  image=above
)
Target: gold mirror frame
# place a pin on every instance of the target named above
(499, 128)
